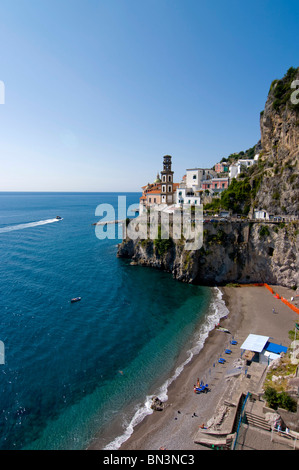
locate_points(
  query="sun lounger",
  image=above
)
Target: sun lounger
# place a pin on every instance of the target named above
(227, 351)
(233, 342)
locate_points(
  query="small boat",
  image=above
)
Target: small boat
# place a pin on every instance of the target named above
(297, 326)
(75, 299)
(220, 328)
(58, 217)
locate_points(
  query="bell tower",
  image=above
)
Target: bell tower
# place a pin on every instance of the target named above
(167, 181)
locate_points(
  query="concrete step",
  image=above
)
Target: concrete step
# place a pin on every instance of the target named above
(257, 421)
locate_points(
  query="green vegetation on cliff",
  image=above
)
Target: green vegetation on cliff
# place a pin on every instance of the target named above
(270, 184)
(162, 245)
(282, 90)
(236, 198)
(249, 153)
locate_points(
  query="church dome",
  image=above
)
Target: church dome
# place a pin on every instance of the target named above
(157, 180)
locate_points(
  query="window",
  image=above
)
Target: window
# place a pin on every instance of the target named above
(154, 199)
(223, 185)
(149, 199)
(169, 178)
(180, 193)
(194, 177)
(169, 189)
(163, 189)
(195, 201)
(164, 178)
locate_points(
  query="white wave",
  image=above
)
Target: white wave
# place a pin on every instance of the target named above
(10, 228)
(217, 310)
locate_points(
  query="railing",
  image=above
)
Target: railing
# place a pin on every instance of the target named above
(242, 413)
(285, 435)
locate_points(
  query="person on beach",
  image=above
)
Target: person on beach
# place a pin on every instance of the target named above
(197, 382)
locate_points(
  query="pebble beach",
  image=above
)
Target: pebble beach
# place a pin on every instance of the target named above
(250, 311)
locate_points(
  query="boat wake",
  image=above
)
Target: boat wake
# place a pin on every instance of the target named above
(10, 228)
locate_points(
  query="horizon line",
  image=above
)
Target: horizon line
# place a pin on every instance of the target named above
(58, 191)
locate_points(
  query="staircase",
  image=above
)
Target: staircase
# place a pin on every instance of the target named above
(257, 420)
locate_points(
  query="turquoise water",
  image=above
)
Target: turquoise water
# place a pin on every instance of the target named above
(72, 369)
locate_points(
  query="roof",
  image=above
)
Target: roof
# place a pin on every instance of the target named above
(275, 348)
(255, 343)
(153, 191)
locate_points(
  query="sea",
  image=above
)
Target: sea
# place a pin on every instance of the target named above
(73, 374)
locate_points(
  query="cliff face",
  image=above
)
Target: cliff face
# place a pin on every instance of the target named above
(279, 159)
(247, 252)
(279, 121)
(241, 252)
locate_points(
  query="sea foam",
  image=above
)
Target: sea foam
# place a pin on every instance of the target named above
(216, 311)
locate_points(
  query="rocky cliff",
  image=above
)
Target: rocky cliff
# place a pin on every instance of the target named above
(243, 252)
(273, 183)
(278, 166)
(247, 251)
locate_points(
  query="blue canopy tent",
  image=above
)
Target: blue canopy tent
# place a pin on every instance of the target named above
(275, 348)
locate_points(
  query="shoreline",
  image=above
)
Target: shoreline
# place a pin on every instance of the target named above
(118, 434)
(250, 311)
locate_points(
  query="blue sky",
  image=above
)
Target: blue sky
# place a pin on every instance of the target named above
(96, 92)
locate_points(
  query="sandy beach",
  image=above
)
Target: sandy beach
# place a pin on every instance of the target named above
(251, 311)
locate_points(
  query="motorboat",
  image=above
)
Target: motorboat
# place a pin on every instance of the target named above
(58, 217)
(75, 299)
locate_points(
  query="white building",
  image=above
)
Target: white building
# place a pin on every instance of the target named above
(187, 196)
(245, 164)
(195, 176)
(236, 168)
(189, 190)
(233, 170)
(261, 215)
(260, 349)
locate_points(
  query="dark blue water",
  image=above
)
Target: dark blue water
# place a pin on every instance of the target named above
(71, 369)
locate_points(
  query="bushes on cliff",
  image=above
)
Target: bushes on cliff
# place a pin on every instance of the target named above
(162, 245)
(237, 197)
(276, 400)
(264, 231)
(282, 90)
